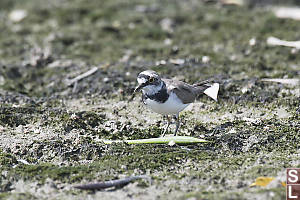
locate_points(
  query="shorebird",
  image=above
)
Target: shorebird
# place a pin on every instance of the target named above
(170, 97)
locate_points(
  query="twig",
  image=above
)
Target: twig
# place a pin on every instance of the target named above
(277, 42)
(112, 183)
(81, 76)
(74, 87)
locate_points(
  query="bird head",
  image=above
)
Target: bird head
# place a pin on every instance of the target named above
(148, 81)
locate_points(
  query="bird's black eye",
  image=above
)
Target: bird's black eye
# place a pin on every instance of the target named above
(151, 80)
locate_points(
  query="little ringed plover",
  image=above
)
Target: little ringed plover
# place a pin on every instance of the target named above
(169, 97)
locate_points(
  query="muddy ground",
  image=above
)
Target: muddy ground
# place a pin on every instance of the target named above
(51, 129)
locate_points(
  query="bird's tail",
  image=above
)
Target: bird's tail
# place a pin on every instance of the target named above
(208, 88)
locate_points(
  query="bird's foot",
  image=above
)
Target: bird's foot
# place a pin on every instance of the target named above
(165, 131)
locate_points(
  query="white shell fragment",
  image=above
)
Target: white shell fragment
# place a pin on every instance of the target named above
(252, 41)
(205, 59)
(17, 15)
(177, 61)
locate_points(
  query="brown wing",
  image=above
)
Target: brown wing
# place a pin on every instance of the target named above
(185, 92)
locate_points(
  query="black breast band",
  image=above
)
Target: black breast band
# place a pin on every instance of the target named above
(161, 96)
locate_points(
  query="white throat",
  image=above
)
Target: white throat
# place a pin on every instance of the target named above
(152, 89)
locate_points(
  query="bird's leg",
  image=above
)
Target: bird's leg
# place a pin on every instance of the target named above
(177, 123)
(168, 124)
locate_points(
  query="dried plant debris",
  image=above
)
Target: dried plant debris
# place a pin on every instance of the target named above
(81, 76)
(287, 12)
(233, 2)
(262, 181)
(293, 82)
(278, 42)
(271, 182)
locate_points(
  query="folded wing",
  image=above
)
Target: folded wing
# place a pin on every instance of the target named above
(185, 92)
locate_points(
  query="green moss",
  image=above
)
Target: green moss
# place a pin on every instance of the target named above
(13, 117)
(120, 160)
(43, 171)
(7, 160)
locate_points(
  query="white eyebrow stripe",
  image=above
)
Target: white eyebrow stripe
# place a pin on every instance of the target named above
(141, 80)
(148, 73)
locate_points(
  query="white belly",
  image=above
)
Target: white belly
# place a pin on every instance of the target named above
(172, 106)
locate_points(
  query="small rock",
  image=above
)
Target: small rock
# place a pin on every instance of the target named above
(161, 62)
(245, 90)
(131, 25)
(294, 51)
(252, 41)
(73, 116)
(20, 129)
(116, 24)
(36, 131)
(205, 59)
(166, 25)
(2, 80)
(171, 143)
(168, 41)
(232, 131)
(282, 113)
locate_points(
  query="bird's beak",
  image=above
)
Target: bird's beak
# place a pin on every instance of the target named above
(138, 88)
